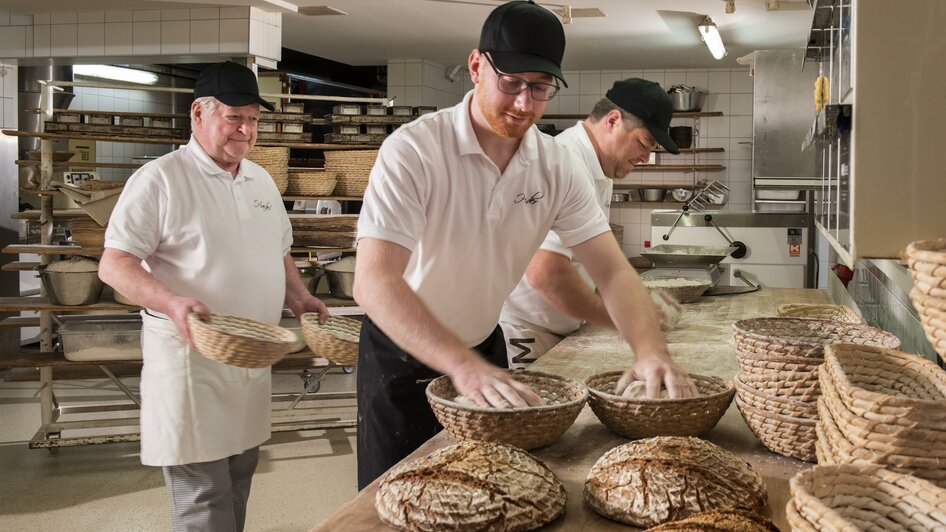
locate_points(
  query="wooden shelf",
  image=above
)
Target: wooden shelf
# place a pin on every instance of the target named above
(691, 150)
(93, 164)
(676, 114)
(314, 198)
(297, 251)
(19, 266)
(649, 203)
(36, 303)
(178, 141)
(679, 168)
(59, 213)
(52, 249)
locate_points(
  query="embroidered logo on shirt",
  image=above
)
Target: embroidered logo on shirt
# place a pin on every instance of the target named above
(531, 200)
(261, 205)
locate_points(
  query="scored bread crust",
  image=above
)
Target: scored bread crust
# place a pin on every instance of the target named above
(471, 486)
(652, 481)
(719, 521)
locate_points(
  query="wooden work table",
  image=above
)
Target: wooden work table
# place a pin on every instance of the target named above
(701, 344)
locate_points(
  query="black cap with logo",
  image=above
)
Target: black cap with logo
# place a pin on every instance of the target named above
(648, 102)
(523, 37)
(231, 83)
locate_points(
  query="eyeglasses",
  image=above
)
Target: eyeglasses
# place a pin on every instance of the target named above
(515, 85)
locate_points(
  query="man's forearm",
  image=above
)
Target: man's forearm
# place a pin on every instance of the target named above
(123, 272)
(628, 301)
(553, 276)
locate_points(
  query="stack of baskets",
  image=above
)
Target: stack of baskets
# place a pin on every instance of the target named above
(927, 260)
(840, 313)
(336, 340)
(240, 341)
(863, 497)
(883, 407)
(777, 390)
(351, 168)
(526, 428)
(87, 233)
(646, 418)
(310, 182)
(274, 160)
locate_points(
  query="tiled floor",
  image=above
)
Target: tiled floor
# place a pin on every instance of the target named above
(302, 476)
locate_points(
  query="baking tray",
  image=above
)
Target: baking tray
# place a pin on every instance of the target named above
(687, 255)
(118, 339)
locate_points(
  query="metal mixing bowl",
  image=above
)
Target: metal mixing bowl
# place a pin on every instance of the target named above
(71, 288)
(652, 194)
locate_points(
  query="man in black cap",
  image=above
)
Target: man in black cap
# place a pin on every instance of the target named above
(556, 295)
(196, 231)
(457, 204)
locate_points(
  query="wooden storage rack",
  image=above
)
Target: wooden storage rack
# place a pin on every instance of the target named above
(52, 414)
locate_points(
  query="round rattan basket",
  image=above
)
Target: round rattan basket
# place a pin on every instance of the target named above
(240, 341)
(794, 385)
(927, 261)
(819, 312)
(526, 428)
(771, 338)
(683, 289)
(865, 497)
(335, 340)
(785, 435)
(87, 233)
(310, 182)
(764, 400)
(352, 168)
(274, 160)
(646, 418)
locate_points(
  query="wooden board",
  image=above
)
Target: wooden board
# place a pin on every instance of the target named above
(700, 344)
(52, 249)
(104, 129)
(368, 119)
(324, 222)
(359, 138)
(283, 137)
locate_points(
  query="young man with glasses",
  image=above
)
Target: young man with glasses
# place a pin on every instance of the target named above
(556, 295)
(457, 204)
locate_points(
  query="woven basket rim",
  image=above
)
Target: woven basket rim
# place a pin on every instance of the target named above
(486, 409)
(741, 384)
(742, 327)
(835, 353)
(775, 416)
(792, 310)
(728, 383)
(289, 335)
(928, 250)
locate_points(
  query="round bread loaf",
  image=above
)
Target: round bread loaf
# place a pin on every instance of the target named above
(649, 482)
(719, 521)
(472, 485)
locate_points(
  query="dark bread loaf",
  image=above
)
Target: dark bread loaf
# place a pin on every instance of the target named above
(649, 482)
(719, 521)
(472, 485)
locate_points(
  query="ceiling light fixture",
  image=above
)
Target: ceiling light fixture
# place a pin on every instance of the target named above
(711, 37)
(130, 75)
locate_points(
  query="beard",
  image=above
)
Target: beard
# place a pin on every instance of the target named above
(494, 117)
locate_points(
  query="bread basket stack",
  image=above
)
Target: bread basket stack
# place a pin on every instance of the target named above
(240, 341)
(927, 260)
(863, 497)
(351, 167)
(87, 233)
(777, 390)
(335, 340)
(274, 160)
(884, 407)
(840, 313)
(310, 182)
(646, 418)
(526, 428)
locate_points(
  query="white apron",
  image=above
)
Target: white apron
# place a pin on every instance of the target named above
(194, 409)
(525, 342)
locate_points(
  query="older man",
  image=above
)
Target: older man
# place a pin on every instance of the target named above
(557, 294)
(204, 230)
(457, 204)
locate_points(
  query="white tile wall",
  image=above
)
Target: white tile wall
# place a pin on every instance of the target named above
(8, 113)
(91, 40)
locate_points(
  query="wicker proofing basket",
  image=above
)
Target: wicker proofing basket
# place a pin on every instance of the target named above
(87, 233)
(274, 160)
(927, 260)
(682, 293)
(819, 312)
(310, 182)
(352, 168)
(806, 338)
(785, 435)
(240, 341)
(863, 497)
(786, 406)
(794, 385)
(335, 340)
(526, 428)
(646, 418)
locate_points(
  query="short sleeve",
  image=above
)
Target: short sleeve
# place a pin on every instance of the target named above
(135, 224)
(580, 217)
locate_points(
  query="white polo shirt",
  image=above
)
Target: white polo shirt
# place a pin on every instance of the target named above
(472, 230)
(526, 306)
(221, 239)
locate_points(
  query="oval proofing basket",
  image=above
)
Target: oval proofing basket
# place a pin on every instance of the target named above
(240, 341)
(335, 340)
(526, 428)
(646, 418)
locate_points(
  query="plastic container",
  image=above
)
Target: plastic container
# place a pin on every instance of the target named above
(118, 339)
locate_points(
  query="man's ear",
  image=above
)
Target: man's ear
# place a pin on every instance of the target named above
(613, 118)
(474, 62)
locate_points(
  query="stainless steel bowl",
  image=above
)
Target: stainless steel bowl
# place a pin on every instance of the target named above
(652, 194)
(71, 288)
(687, 98)
(341, 278)
(619, 197)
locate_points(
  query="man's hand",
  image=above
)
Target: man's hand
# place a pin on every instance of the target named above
(658, 373)
(178, 308)
(488, 385)
(308, 303)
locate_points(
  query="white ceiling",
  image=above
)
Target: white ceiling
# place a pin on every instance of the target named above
(634, 34)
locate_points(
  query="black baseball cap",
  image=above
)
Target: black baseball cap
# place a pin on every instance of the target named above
(523, 37)
(231, 83)
(650, 103)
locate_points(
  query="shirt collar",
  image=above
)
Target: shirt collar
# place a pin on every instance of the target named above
(463, 125)
(588, 152)
(208, 166)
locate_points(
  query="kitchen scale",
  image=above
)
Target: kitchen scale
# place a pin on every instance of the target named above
(694, 262)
